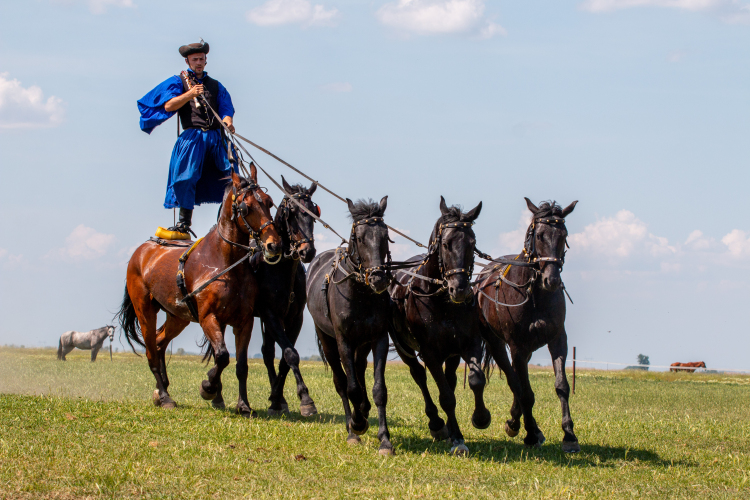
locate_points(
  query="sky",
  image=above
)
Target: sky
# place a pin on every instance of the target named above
(639, 109)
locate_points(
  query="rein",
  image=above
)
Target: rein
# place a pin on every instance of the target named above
(534, 262)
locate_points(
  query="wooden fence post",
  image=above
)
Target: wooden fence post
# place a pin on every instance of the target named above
(574, 370)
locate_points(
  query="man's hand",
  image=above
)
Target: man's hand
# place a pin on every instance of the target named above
(228, 121)
(196, 91)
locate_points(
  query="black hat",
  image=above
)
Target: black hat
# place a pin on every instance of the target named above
(194, 48)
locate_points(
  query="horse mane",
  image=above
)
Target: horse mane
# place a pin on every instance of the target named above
(548, 209)
(364, 209)
(298, 189)
(455, 214)
(243, 184)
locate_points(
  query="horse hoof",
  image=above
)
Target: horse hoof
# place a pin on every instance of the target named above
(156, 398)
(440, 435)
(359, 432)
(386, 452)
(218, 405)
(540, 437)
(460, 450)
(480, 424)
(353, 440)
(277, 413)
(285, 408)
(169, 405)
(248, 414)
(509, 430)
(204, 393)
(307, 410)
(570, 447)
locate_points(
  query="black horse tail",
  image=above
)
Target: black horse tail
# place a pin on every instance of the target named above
(206, 349)
(488, 363)
(129, 322)
(60, 350)
(320, 350)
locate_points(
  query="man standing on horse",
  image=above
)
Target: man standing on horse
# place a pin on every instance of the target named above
(199, 164)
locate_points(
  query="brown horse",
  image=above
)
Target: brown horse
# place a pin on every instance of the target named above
(689, 367)
(524, 305)
(151, 286)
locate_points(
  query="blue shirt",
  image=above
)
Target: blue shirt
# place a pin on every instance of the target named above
(152, 104)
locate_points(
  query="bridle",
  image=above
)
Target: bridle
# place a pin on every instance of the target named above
(356, 258)
(240, 211)
(285, 210)
(531, 260)
(435, 246)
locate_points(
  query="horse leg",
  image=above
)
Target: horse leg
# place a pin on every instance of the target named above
(481, 418)
(242, 342)
(330, 350)
(379, 391)
(215, 333)
(67, 350)
(447, 400)
(360, 360)
(171, 328)
(94, 351)
(558, 349)
(438, 429)
(146, 311)
(451, 366)
(500, 355)
(290, 360)
(354, 391)
(268, 349)
(534, 436)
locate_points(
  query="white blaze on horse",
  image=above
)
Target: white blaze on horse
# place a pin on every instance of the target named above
(92, 340)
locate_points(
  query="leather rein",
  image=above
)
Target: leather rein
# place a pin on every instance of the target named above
(533, 261)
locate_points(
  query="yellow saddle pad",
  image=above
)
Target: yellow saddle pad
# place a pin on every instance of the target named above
(166, 234)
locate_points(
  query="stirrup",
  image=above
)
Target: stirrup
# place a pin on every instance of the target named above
(171, 234)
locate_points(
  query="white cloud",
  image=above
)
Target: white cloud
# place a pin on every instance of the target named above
(100, 6)
(512, 241)
(280, 12)
(738, 243)
(26, 107)
(3, 253)
(730, 11)
(9, 260)
(437, 17)
(677, 56)
(337, 87)
(84, 243)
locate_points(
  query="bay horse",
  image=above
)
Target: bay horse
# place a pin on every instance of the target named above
(229, 300)
(351, 314)
(433, 313)
(525, 307)
(281, 297)
(92, 339)
(689, 367)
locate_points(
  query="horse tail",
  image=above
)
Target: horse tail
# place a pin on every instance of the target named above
(206, 349)
(60, 349)
(320, 350)
(488, 363)
(129, 322)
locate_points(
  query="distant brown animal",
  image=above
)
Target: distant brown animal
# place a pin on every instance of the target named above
(691, 366)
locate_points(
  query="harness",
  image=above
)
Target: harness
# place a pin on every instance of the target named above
(285, 210)
(350, 262)
(239, 210)
(531, 260)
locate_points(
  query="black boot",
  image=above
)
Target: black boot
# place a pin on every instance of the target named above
(184, 223)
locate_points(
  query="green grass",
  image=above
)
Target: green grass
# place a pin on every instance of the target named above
(77, 429)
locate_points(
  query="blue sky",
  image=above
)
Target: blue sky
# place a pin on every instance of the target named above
(637, 108)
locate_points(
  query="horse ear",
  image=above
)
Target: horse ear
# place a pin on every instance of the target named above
(569, 209)
(472, 214)
(312, 189)
(236, 179)
(286, 185)
(533, 208)
(351, 206)
(383, 204)
(443, 206)
(253, 173)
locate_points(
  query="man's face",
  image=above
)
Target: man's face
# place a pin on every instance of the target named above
(196, 62)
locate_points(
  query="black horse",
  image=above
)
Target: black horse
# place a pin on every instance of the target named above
(282, 296)
(350, 310)
(442, 326)
(524, 305)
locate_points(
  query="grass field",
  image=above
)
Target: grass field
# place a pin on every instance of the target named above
(77, 429)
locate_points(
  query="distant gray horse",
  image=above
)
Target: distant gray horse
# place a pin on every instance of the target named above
(90, 340)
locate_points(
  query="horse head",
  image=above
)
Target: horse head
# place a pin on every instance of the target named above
(111, 332)
(546, 239)
(454, 241)
(251, 209)
(298, 225)
(368, 243)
